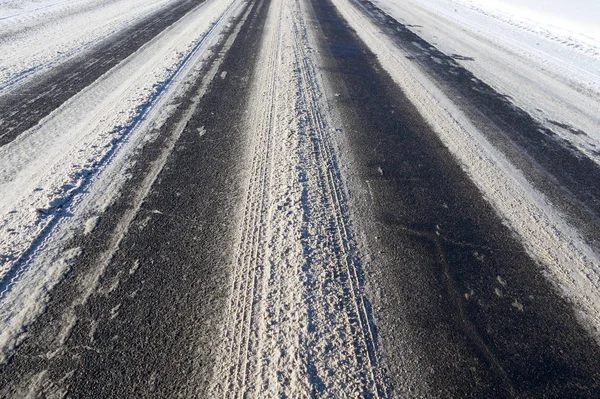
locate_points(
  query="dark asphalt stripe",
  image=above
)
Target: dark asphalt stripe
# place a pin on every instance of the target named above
(163, 341)
(564, 174)
(453, 276)
(25, 106)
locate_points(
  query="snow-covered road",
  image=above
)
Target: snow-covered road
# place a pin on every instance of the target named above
(298, 198)
(553, 77)
(297, 297)
(39, 35)
(545, 233)
(58, 176)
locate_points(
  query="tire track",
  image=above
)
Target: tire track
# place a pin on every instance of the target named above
(559, 170)
(463, 310)
(83, 182)
(245, 278)
(532, 205)
(331, 179)
(168, 350)
(297, 323)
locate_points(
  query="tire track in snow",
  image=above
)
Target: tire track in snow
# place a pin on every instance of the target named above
(170, 270)
(462, 310)
(331, 182)
(554, 165)
(83, 178)
(245, 273)
(297, 323)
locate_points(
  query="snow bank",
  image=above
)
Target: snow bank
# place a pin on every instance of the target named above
(572, 24)
(553, 77)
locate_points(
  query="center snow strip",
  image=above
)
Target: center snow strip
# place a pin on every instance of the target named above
(297, 322)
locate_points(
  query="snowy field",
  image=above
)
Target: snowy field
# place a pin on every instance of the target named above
(566, 18)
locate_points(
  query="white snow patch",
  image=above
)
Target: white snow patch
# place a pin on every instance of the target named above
(295, 295)
(90, 224)
(575, 17)
(31, 301)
